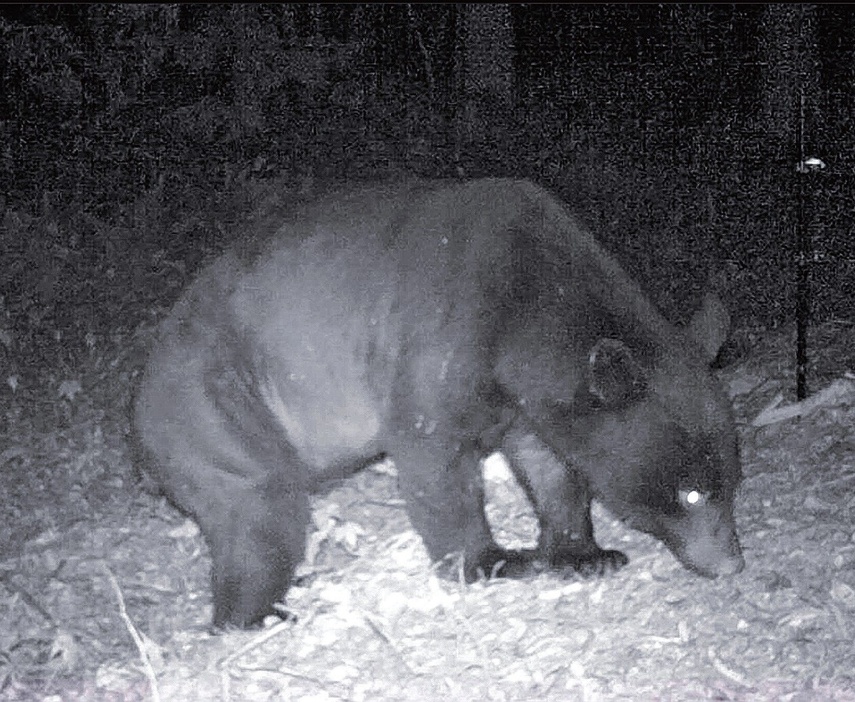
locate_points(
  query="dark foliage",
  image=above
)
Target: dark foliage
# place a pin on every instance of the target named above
(133, 136)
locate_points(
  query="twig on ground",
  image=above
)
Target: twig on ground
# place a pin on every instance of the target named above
(135, 635)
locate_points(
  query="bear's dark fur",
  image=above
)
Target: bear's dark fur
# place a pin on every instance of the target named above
(435, 323)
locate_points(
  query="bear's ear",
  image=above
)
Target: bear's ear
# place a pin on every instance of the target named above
(614, 376)
(710, 326)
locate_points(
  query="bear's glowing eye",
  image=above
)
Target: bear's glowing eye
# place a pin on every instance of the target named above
(690, 498)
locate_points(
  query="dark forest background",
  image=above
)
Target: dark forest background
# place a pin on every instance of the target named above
(135, 139)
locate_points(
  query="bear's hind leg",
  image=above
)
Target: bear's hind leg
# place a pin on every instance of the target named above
(257, 539)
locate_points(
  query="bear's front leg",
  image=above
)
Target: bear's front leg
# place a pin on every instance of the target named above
(562, 501)
(444, 490)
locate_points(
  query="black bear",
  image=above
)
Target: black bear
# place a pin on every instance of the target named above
(435, 323)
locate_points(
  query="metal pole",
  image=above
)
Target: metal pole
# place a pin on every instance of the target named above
(805, 168)
(802, 290)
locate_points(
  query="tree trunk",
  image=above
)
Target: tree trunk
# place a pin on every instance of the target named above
(484, 70)
(791, 81)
